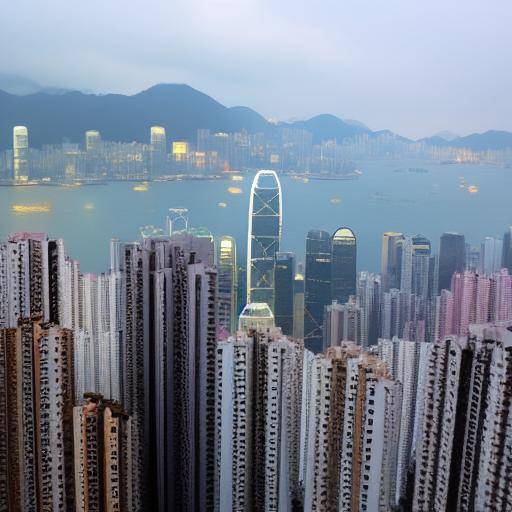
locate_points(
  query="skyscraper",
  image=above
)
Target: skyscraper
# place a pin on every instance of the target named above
(415, 266)
(317, 287)
(391, 260)
(491, 255)
(20, 153)
(452, 258)
(506, 259)
(92, 140)
(228, 283)
(343, 265)
(158, 151)
(298, 306)
(263, 237)
(284, 274)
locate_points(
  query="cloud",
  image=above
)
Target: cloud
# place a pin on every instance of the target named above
(412, 67)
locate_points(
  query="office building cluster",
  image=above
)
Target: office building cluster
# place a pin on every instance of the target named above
(152, 387)
(282, 149)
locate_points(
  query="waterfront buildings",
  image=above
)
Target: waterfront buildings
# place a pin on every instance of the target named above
(20, 154)
(158, 150)
(317, 287)
(263, 236)
(92, 140)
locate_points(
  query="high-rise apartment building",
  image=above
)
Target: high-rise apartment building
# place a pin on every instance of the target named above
(258, 422)
(352, 432)
(342, 322)
(169, 334)
(102, 437)
(263, 236)
(36, 411)
(343, 265)
(317, 287)
(406, 361)
(462, 457)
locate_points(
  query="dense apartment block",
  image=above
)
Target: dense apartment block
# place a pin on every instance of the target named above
(463, 458)
(169, 296)
(36, 411)
(258, 422)
(102, 457)
(351, 439)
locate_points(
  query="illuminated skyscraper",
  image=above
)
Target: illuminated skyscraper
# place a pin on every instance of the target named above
(263, 237)
(228, 283)
(343, 265)
(284, 280)
(158, 148)
(317, 289)
(391, 260)
(452, 258)
(20, 153)
(92, 140)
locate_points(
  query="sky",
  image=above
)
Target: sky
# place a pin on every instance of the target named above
(415, 67)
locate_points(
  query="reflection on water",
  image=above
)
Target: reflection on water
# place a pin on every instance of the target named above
(24, 209)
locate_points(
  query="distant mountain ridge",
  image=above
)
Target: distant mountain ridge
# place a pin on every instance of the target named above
(56, 115)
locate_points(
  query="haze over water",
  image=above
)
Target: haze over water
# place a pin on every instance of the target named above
(381, 200)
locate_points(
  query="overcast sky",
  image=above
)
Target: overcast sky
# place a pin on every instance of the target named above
(413, 66)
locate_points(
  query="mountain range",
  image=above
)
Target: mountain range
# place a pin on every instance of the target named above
(53, 115)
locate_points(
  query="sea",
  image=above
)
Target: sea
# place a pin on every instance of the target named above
(407, 196)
